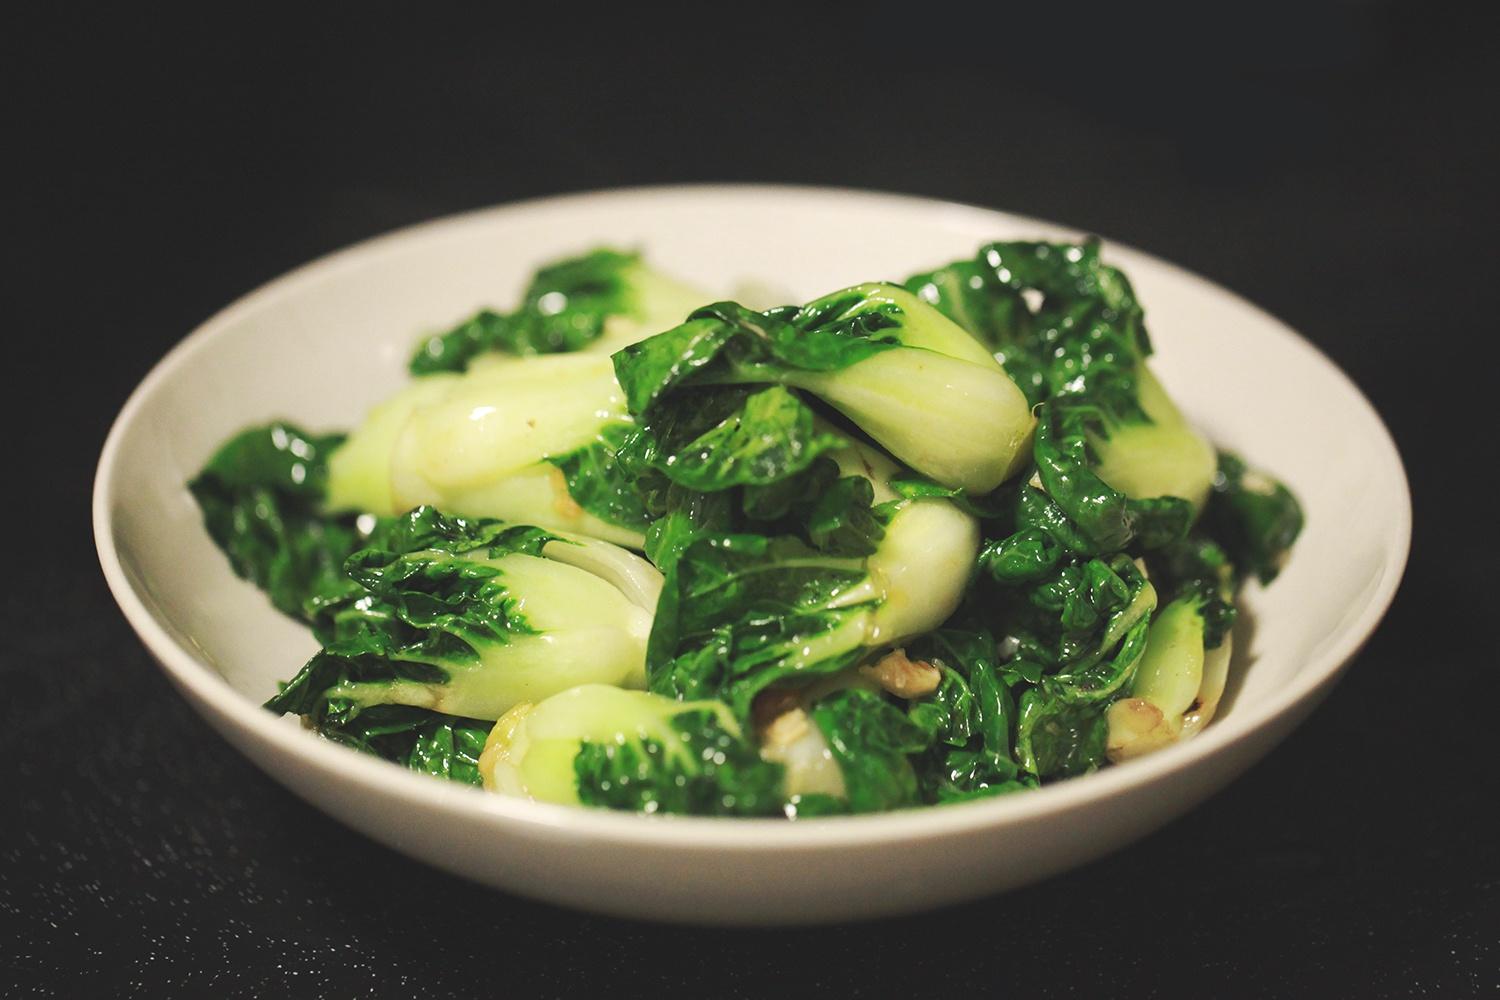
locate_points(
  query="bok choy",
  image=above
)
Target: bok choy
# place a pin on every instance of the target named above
(625, 547)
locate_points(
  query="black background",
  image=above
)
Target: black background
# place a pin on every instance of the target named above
(1334, 163)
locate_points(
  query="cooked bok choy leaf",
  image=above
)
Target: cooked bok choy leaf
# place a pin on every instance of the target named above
(1084, 346)
(898, 369)
(599, 301)
(740, 612)
(1181, 677)
(427, 742)
(933, 722)
(525, 440)
(1118, 475)
(492, 430)
(1158, 456)
(601, 746)
(262, 496)
(1255, 518)
(469, 618)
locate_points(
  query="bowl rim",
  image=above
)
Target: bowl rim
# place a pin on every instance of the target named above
(229, 709)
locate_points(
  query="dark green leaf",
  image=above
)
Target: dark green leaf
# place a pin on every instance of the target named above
(564, 309)
(712, 773)
(871, 740)
(1255, 518)
(739, 612)
(769, 436)
(261, 496)
(1060, 739)
(1199, 568)
(444, 746)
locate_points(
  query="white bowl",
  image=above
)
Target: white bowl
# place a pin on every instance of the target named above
(323, 343)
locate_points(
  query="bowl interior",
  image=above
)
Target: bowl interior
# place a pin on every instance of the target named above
(323, 344)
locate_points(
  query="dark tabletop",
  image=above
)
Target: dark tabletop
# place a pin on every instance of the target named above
(1335, 164)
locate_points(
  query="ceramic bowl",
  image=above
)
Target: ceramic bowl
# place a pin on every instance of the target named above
(327, 341)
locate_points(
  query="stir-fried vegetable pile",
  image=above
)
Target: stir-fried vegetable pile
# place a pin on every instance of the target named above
(903, 544)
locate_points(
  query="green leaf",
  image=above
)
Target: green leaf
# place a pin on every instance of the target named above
(450, 749)
(841, 517)
(971, 717)
(438, 614)
(1027, 555)
(1253, 517)
(739, 612)
(726, 341)
(915, 486)
(871, 740)
(941, 405)
(712, 772)
(1060, 739)
(444, 746)
(1199, 568)
(564, 309)
(1083, 338)
(261, 496)
(769, 436)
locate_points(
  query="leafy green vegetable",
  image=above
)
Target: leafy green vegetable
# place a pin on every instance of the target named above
(911, 380)
(747, 461)
(485, 435)
(1200, 568)
(708, 771)
(1082, 339)
(440, 745)
(1118, 474)
(1108, 519)
(969, 721)
(915, 486)
(740, 612)
(602, 746)
(261, 495)
(872, 740)
(597, 483)
(1255, 518)
(1082, 349)
(1182, 675)
(567, 307)
(951, 744)
(1060, 739)
(531, 442)
(449, 749)
(734, 438)
(1077, 626)
(469, 618)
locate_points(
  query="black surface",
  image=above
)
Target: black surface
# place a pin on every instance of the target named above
(1335, 165)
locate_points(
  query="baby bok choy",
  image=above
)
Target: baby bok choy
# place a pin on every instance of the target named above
(907, 376)
(1069, 329)
(1116, 640)
(742, 611)
(465, 619)
(603, 746)
(529, 440)
(493, 429)
(1181, 676)
(777, 625)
